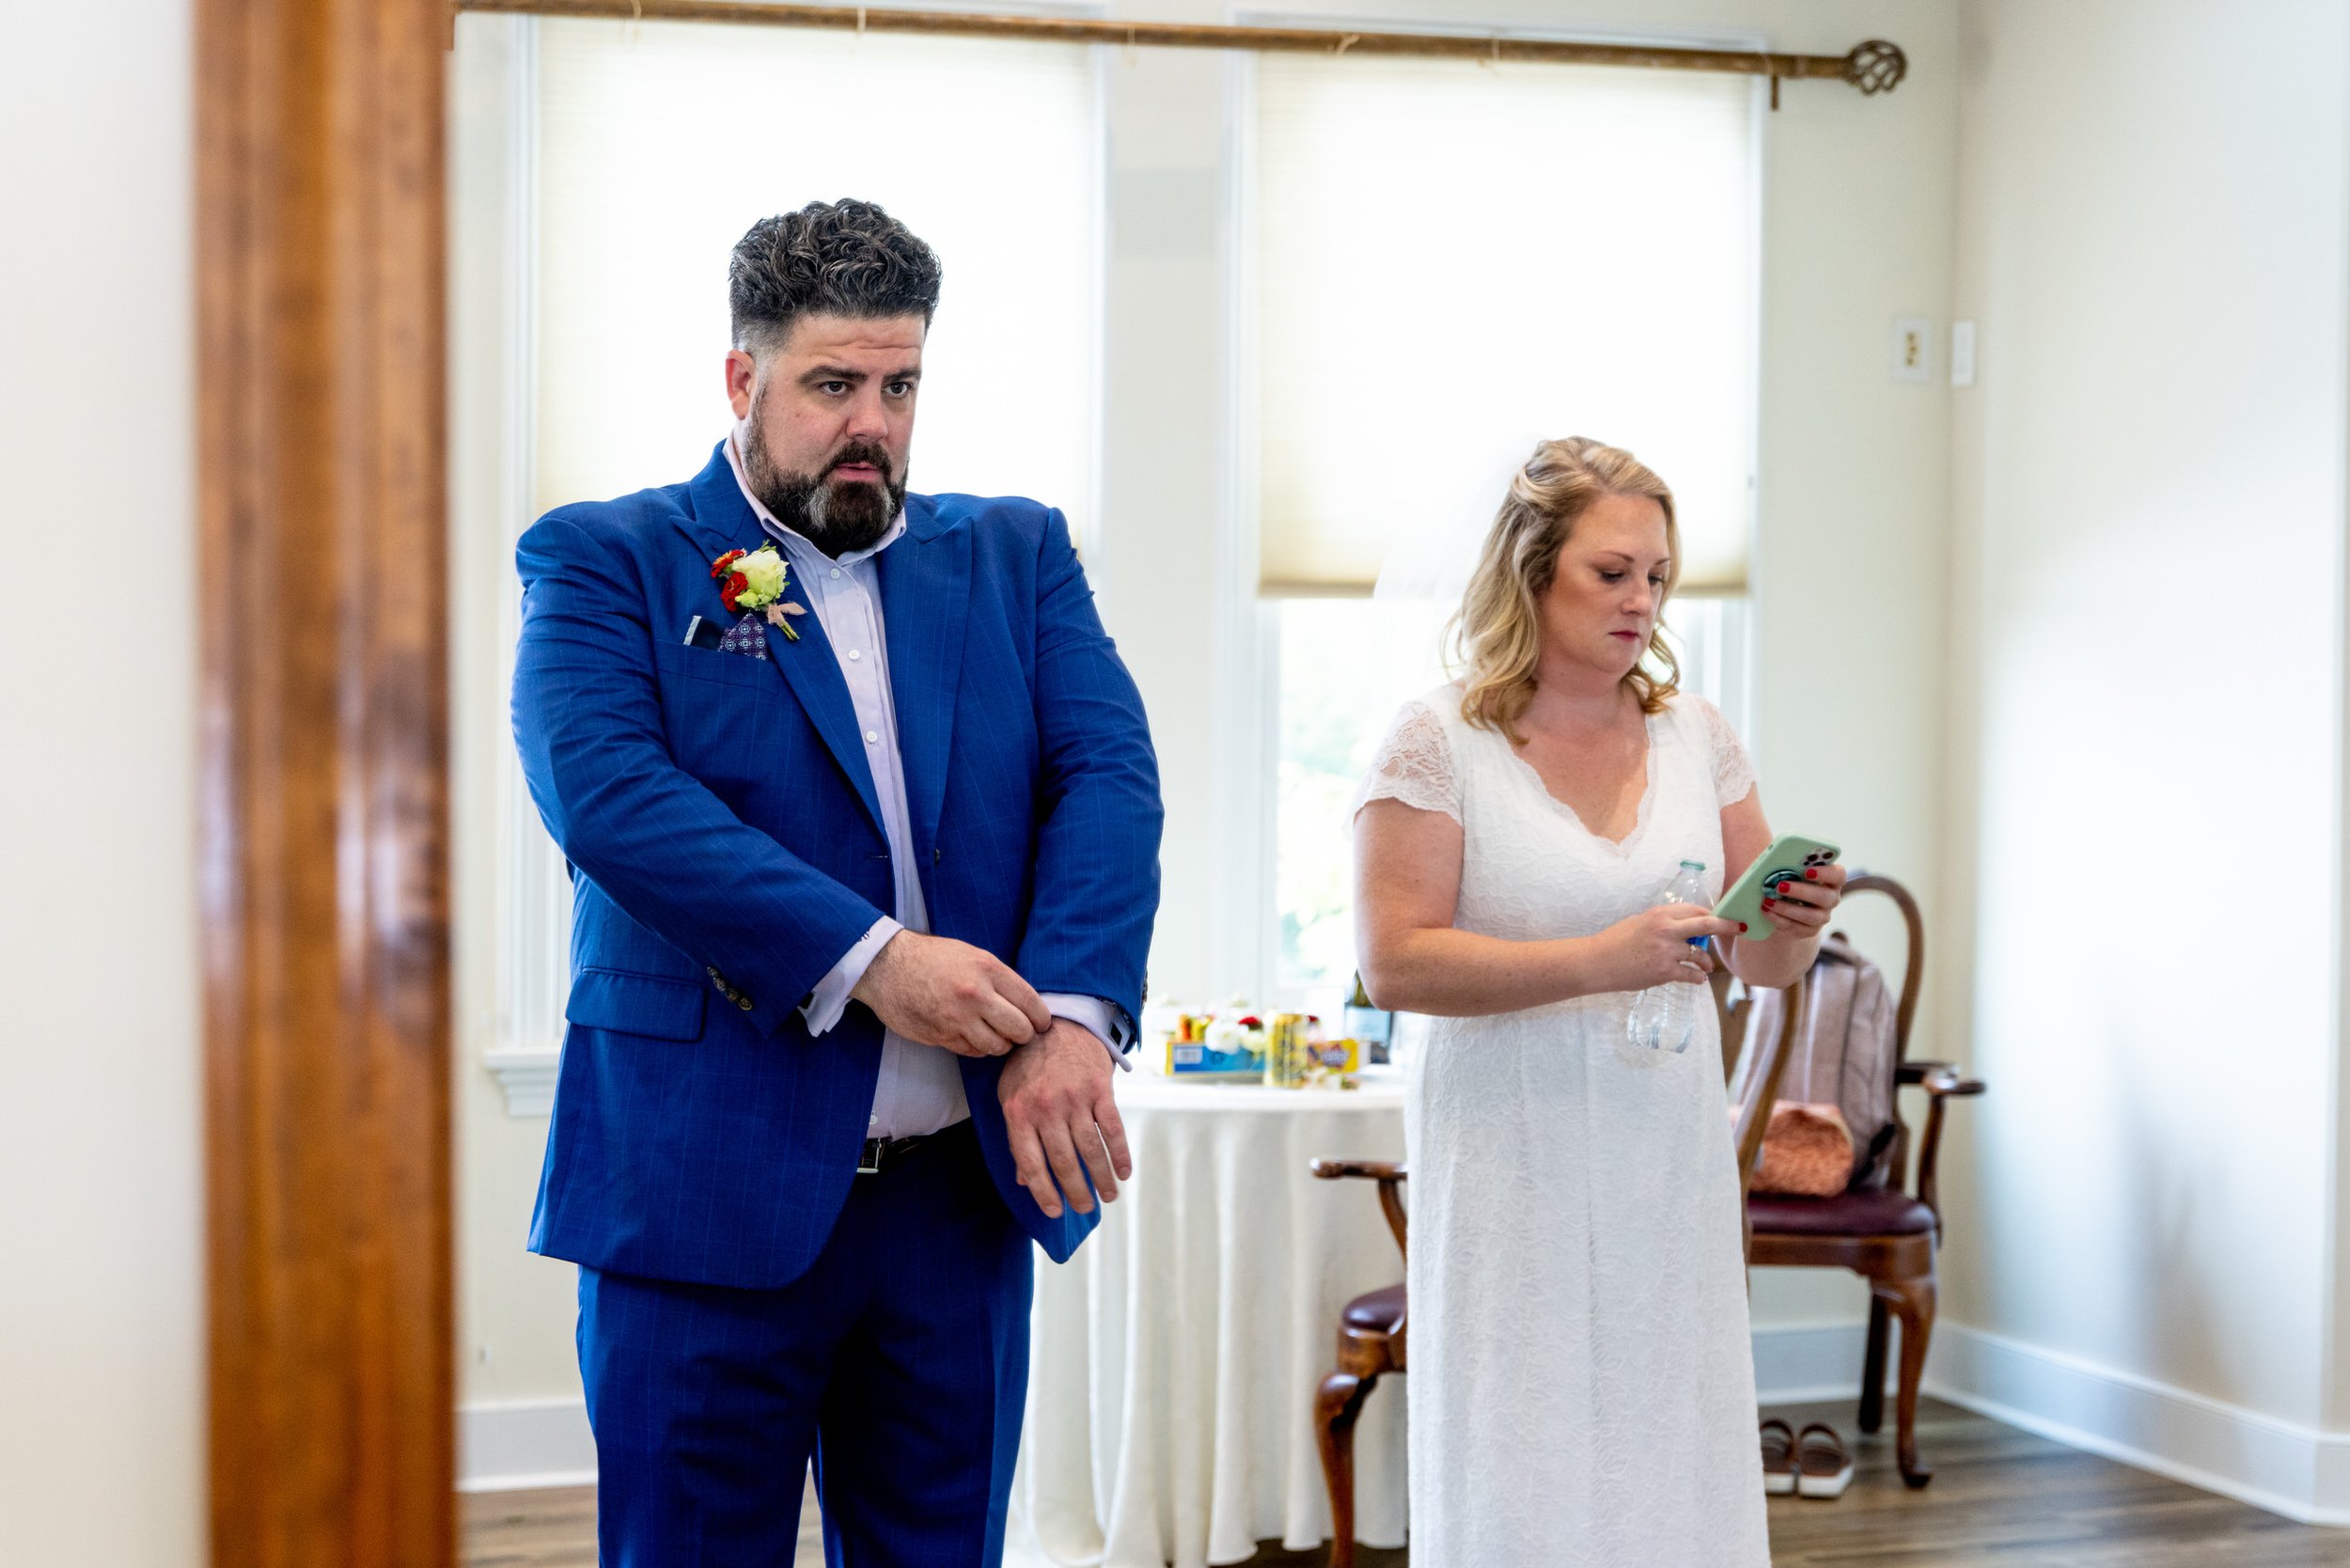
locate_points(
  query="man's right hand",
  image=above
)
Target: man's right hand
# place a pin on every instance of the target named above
(936, 990)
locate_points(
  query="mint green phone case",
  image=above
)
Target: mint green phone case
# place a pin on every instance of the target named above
(1789, 856)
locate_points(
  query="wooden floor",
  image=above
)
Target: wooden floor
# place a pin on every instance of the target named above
(2001, 1499)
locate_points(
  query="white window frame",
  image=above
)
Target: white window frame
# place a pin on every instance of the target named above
(512, 879)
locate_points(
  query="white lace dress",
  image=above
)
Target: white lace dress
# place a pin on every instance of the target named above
(1582, 1381)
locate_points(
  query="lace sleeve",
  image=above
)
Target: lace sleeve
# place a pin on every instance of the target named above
(1733, 772)
(1413, 765)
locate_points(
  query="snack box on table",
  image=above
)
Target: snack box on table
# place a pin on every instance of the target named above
(1197, 1059)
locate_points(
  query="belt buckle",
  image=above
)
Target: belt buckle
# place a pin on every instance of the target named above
(870, 1162)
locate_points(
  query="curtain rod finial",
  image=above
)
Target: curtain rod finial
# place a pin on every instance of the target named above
(1875, 66)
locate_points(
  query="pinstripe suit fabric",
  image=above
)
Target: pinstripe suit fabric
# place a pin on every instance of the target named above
(900, 1358)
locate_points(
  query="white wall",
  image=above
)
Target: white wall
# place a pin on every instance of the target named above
(2146, 714)
(100, 1304)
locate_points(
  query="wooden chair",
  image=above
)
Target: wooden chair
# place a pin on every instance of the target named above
(1375, 1328)
(1887, 1236)
(1374, 1341)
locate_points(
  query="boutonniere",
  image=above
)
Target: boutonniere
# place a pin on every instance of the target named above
(750, 581)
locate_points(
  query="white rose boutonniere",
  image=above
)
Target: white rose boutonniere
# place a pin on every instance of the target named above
(754, 580)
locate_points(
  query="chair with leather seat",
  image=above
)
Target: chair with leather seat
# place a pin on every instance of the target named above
(1373, 1339)
(1374, 1342)
(1886, 1233)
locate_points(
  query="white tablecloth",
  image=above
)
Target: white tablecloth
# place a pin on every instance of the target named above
(1175, 1358)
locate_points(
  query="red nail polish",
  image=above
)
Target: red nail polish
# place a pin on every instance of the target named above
(1741, 926)
(1811, 876)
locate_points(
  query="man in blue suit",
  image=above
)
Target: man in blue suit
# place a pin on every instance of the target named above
(863, 836)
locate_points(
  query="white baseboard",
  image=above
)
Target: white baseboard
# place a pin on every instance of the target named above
(1800, 1363)
(2297, 1471)
(2292, 1471)
(521, 1446)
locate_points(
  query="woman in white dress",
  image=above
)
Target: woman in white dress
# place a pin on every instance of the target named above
(1582, 1384)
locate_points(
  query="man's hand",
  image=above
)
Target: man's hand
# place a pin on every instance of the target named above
(936, 990)
(1063, 1120)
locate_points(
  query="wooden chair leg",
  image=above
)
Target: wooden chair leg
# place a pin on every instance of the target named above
(1873, 1369)
(1336, 1403)
(1912, 1300)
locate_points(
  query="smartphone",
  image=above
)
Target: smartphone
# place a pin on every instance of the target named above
(1789, 856)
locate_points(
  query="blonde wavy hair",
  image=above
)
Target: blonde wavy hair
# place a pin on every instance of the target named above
(1496, 632)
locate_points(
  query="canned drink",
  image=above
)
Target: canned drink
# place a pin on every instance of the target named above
(1285, 1051)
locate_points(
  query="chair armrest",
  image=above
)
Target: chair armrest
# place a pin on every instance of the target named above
(1936, 1078)
(1389, 1174)
(1376, 1170)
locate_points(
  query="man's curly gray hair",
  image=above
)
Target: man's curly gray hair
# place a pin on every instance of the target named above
(830, 258)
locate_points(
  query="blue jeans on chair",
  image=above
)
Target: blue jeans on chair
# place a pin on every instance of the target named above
(899, 1361)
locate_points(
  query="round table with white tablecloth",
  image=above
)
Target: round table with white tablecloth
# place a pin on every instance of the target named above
(1175, 1358)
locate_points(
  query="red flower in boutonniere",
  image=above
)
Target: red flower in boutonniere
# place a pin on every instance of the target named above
(753, 580)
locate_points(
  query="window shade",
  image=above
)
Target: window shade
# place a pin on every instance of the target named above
(660, 145)
(1451, 257)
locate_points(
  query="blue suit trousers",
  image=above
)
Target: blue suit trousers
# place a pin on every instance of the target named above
(899, 1361)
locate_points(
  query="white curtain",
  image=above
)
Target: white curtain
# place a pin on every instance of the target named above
(1455, 259)
(660, 145)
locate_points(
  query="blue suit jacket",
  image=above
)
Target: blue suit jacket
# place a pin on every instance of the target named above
(726, 849)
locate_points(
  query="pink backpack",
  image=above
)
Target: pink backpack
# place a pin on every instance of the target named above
(1843, 1057)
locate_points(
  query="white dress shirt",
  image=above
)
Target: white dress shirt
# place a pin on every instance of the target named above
(920, 1088)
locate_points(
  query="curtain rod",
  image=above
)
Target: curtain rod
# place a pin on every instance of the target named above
(1873, 66)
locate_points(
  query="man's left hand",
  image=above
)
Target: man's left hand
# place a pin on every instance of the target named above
(1063, 1120)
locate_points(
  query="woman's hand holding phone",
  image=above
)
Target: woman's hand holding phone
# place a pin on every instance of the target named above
(1802, 909)
(1764, 892)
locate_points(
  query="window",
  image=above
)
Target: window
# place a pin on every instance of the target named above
(1431, 264)
(638, 155)
(1344, 666)
(1448, 263)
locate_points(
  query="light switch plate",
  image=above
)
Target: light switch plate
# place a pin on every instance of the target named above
(1913, 348)
(1962, 353)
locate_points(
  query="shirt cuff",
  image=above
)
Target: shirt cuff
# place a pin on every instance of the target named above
(1102, 1021)
(830, 999)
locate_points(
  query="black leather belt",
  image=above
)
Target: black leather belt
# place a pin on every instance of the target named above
(882, 1152)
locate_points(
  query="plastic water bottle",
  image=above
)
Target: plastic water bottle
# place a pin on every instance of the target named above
(1664, 1017)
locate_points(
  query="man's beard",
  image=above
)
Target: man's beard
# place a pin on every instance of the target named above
(837, 517)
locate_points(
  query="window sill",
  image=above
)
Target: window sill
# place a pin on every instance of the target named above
(528, 1080)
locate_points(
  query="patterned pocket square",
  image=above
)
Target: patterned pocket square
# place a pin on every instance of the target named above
(744, 636)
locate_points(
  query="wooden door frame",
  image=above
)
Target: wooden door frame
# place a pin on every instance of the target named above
(324, 796)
